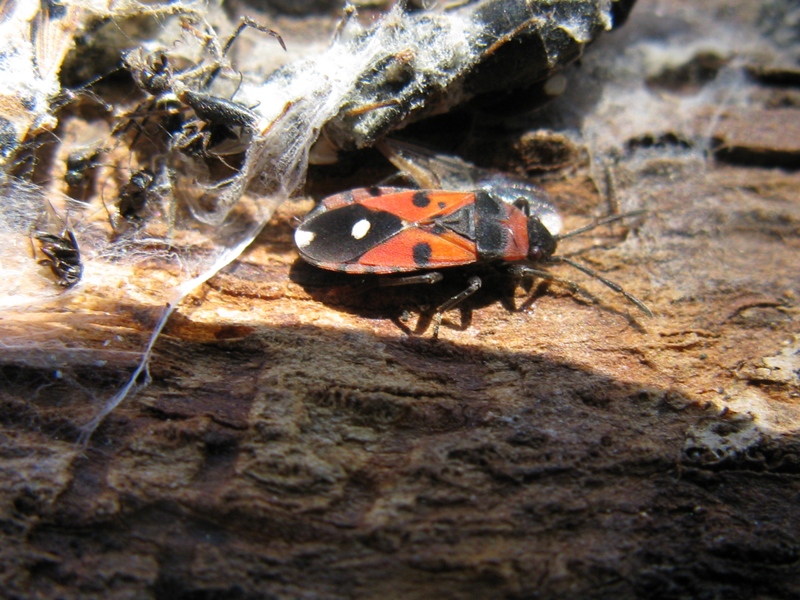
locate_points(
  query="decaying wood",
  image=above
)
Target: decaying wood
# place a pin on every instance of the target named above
(296, 441)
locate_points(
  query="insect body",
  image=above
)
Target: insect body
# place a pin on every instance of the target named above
(392, 230)
(63, 256)
(134, 196)
(217, 118)
(214, 117)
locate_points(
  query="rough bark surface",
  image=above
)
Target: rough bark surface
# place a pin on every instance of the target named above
(298, 440)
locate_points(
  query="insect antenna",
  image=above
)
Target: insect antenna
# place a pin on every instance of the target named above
(598, 223)
(607, 282)
(591, 272)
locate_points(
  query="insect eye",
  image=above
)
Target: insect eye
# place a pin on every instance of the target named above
(535, 253)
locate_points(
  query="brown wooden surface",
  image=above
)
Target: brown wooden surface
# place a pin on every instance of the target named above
(296, 442)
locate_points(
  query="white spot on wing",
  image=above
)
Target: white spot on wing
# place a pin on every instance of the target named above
(303, 237)
(360, 229)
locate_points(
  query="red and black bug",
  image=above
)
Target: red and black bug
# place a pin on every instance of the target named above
(384, 230)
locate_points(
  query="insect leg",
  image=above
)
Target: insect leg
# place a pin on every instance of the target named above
(474, 286)
(248, 22)
(525, 272)
(244, 23)
(433, 277)
(430, 278)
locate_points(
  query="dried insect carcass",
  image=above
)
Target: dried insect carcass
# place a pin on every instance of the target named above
(208, 129)
(80, 167)
(135, 196)
(179, 92)
(63, 256)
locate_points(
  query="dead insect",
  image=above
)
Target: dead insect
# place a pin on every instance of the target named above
(134, 196)
(221, 127)
(216, 119)
(63, 256)
(80, 165)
